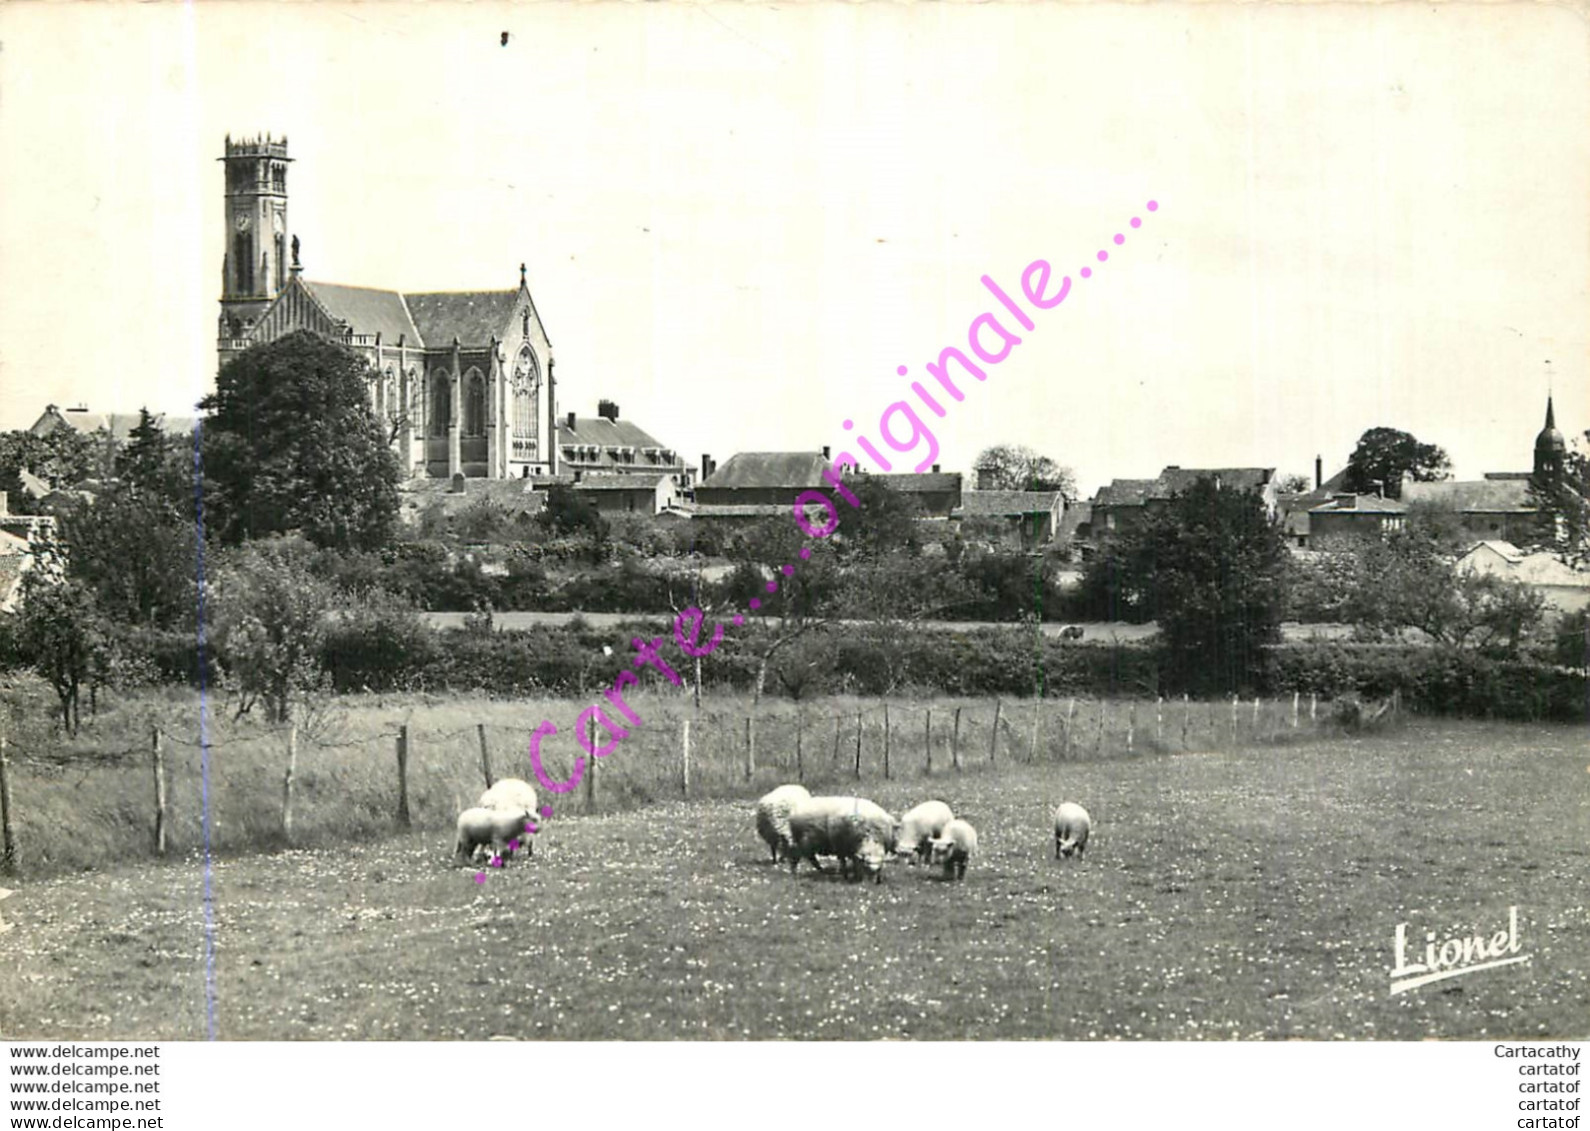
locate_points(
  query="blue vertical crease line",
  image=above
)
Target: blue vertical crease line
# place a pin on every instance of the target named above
(204, 737)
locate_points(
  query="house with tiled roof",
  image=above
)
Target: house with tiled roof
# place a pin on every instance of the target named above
(751, 486)
(1030, 518)
(1349, 520)
(463, 380)
(1565, 589)
(1496, 507)
(935, 493)
(604, 444)
(1122, 504)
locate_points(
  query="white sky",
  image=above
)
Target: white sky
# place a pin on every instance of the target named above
(739, 220)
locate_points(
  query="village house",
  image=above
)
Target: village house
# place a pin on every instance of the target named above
(1350, 520)
(752, 486)
(1123, 504)
(1025, 519)
(1565, 589)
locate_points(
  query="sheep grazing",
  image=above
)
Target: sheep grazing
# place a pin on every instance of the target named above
(772, 817)
(954, 847)
(1071, 828)
(813, 833)
(919, 826)
(511, 794)
(492, 829)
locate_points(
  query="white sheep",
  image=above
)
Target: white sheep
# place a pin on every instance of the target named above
(489, 828)
(858, 844)
(920, 825)
(511, 794)
(954, 847)
(772, 817)
(810, 833)
(1071, 828)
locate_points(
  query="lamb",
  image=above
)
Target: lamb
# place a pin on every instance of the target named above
(772, 817)
(510, 794)
(813, 833)
(954, 847)
(1071, 828)
(921, 825)
(490, 828)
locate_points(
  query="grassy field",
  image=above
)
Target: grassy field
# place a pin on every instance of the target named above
(1251, 893)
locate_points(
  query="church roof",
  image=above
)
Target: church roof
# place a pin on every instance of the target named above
(1473, 496)
(473, 317)
(368, 311)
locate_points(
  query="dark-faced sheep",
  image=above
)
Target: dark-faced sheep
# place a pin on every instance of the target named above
(952, 848)
(811, 834)
(1071, 829)
(919, 826)
(772, 817)
(493, 829)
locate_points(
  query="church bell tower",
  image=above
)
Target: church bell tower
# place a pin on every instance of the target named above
(254, 268)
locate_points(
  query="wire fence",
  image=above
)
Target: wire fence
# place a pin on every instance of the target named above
(308, 784)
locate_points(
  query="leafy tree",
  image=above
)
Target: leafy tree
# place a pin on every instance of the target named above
(1407, 581)
(1018, 468)
(291, 445)
(1293, 483)
(63, 458)
(565, 514)
(270, 614)
(882, 521)
(1385, 456)
(1564, 505)
(61, 633)
(1209, 567)
(135, 554)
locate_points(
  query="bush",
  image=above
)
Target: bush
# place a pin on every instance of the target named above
(380, 646)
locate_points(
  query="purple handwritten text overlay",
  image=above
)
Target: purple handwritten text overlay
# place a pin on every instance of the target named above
(989, 340)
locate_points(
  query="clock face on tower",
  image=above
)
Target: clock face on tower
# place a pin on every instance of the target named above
(241, 222)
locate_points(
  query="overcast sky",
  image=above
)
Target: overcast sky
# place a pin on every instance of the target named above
(739, 220)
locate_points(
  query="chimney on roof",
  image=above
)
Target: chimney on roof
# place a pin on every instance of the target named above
(826, 450)
(571, 422)
(81, 406)
(935, 469)
(1319, 473)
(607, 409)
(707, 466)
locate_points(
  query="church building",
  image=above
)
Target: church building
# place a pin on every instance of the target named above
(463, 380)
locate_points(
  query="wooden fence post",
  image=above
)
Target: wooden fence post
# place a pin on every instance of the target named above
(800, 730)
(590, 768)
(403, 774)
(1071, 714)
(927, 740)
(1159, 720)
(858, 743)
(1037, 721)
(1233, 720)
(1186, 718)
(684, 764)
(287, 783)
(485, 754)
(839, 726)
(160, 793)
(1294, 709)
(993, 736)
(955, 742)
(750, 748)
(1131, 724)
(1255, 716)
(1104, 711)
(8, 840)
(886, 741)
(1313, 706)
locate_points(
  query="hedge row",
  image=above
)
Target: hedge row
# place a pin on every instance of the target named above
(1441, 681)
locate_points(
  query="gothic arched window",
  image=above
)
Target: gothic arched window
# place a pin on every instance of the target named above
(474, 405)
(526, 384)
(441, 413)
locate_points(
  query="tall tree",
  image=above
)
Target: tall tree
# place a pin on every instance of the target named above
(61, 633)
(1385, 457)
(1012, 467)
(291, 445)
(61, 459)
(1210, 568)
(270, 614)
